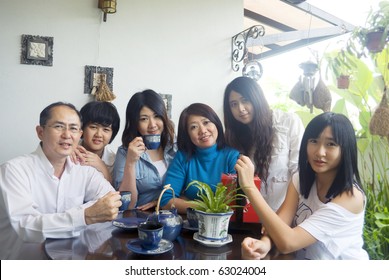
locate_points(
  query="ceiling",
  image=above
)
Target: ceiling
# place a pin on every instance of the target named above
(288, 26)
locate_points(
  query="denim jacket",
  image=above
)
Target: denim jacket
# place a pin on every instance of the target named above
(148, 181)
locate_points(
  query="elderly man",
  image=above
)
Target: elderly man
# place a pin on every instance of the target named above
(44, 194)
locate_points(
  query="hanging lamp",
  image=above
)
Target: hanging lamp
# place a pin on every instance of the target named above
(108, 7)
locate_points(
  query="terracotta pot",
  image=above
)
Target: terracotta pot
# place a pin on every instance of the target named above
(343, 81)
(373, 41)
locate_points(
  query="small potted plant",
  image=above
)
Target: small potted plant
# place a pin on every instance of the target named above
(374, 35)
(340, 64)
(214, 209)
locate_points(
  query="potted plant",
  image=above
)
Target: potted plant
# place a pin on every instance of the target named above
(214, 209)
(374, 35)
(340, 64)
(343, 81)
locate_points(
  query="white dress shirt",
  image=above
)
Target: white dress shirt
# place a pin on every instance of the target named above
(35, 204)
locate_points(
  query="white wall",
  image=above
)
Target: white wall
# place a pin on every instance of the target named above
(175, 47)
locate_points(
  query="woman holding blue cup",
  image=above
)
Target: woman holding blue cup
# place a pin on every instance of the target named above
(148, 147)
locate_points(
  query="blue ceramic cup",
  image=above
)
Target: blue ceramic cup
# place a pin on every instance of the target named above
(126, 199)
(152, 141)
(150, 234)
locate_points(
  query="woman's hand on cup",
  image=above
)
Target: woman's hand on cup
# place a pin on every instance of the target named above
(135, 149)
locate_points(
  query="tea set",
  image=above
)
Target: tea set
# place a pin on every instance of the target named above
(157, 231)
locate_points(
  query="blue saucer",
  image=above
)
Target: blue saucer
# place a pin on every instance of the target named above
(128, 223)
(163, 247)
(187, 226)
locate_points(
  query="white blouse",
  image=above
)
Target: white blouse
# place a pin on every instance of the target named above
(289, 131)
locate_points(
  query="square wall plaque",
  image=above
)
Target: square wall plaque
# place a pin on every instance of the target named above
(93, 76)
(37, 50)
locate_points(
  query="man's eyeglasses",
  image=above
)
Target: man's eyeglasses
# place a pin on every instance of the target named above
(59, 127)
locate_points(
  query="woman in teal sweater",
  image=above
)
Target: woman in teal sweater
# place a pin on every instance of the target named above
(202, 155)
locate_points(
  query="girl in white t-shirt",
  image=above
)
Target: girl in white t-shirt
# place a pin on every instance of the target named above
(322, 216)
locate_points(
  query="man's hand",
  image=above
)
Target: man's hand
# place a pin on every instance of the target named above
(105, 209)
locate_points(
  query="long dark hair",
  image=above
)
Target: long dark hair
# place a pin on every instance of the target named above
(198, 109)
(103, 113)
(344, 135)
(258, 135)
(154, 101)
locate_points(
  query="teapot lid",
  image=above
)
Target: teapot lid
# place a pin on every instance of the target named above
(166, 212)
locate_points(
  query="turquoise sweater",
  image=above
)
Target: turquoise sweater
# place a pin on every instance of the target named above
(206, 165)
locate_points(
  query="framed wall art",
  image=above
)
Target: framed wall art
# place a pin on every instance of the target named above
(37, 50)
(94, 75)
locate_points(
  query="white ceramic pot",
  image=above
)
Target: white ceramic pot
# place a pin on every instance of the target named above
(213, 226)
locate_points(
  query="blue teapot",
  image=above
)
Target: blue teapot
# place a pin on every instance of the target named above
(172, 222)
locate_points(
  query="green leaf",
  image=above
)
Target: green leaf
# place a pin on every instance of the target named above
(382, 216)
(218, 202)
(340, 107)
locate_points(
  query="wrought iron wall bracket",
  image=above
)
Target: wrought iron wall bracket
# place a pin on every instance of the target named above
(239, 41)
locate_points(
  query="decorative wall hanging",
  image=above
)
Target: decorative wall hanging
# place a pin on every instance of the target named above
(308, 92)
(252, 69)
(94, 76)
(37, 50)
(239, 49)
(167, 98)
(302, 92)
(103, 92)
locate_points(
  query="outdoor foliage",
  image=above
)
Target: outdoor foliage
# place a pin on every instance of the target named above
(377, 21)
(376, 230)
(370, 76)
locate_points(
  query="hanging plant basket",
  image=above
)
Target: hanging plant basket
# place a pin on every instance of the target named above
(375, 42)
(379, 123)
(321, 97)
(343, 81)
